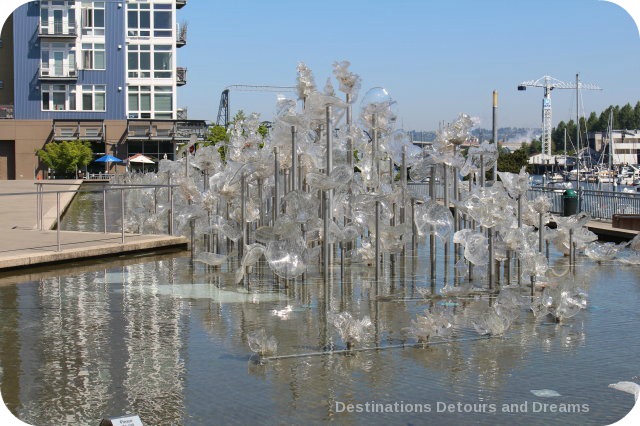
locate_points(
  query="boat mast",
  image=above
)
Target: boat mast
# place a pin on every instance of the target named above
(578, 134)
(565, 149)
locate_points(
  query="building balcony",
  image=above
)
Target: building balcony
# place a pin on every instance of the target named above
(181, 76)
(180, 4)
(58, 30)
(181, 35)
(67, 72)
(6, 112)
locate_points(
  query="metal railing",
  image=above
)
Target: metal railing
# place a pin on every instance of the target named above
(121, 188)
(181, 34)
(59, 29)
(181, 76)
(604, 204)
(599, 204)
(57, 72)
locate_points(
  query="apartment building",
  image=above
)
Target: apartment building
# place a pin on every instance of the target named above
(102, 71)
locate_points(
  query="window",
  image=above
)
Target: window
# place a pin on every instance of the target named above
(139, 61)
(138, 20)
(58, 60)
(162, 64)
(163, 101)
(93, 56)
(58, 97)
(93, 18)
(139, 101)
(58, 17)
(162, 19)
(94, 97)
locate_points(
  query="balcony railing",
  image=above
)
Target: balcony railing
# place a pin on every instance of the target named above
(180, 4)
(66, 72)
(58, 30)
(181, 76)
(181, 35)
(6, 111)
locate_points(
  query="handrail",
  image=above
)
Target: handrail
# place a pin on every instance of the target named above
(40, 192)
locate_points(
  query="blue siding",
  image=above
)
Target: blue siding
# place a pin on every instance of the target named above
(27, 64)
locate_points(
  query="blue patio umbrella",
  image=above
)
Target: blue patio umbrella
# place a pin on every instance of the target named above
(108, 159)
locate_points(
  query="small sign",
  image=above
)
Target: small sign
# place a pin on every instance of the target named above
(122, 421)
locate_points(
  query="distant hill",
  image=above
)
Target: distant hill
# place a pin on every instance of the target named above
(506, 135)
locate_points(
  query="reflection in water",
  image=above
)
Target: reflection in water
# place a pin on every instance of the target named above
(160, 338)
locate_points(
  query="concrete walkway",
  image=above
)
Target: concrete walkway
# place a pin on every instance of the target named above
(22, 245)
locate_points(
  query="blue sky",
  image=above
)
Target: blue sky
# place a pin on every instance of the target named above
(436, 58)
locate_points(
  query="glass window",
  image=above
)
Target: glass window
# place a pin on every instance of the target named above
(145, 20)
(93, 18)
(87, 102)
(93, 98)
(100, 101)
(132, 19)
(163, 102)
(44, 16)
(145, 102)
(58, 101)
(93, 56)
(162, 20)
(133, 102)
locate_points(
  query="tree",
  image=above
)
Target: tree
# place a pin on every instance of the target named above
(512, 162)
(66, 156)
(626, 117)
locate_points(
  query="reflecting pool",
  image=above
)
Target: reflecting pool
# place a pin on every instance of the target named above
(167, 340)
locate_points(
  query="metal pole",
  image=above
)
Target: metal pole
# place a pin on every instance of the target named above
(170, 218)
(261, 201)
(377, 228)
(41, 208)
(243, 208)
(58, 219)
(192, 224)
(276, 201)
(414, 229)
(578, 134)
(294, 158)
(571, 249)
(491, 258)
(300, 177)
(329, 168)
(519, 227)
(495, 131)
(122, 215)
(375, 167)
(38, 206)
(540, 233)
(445, 183)
(325, 236)
(432, 237)
(104, 209)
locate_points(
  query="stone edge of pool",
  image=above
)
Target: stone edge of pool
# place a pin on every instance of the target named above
(108, 247)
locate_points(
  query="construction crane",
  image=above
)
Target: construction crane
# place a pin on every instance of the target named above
(223, 109)
(548, 84)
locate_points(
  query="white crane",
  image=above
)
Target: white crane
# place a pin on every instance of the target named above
(550, 83)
